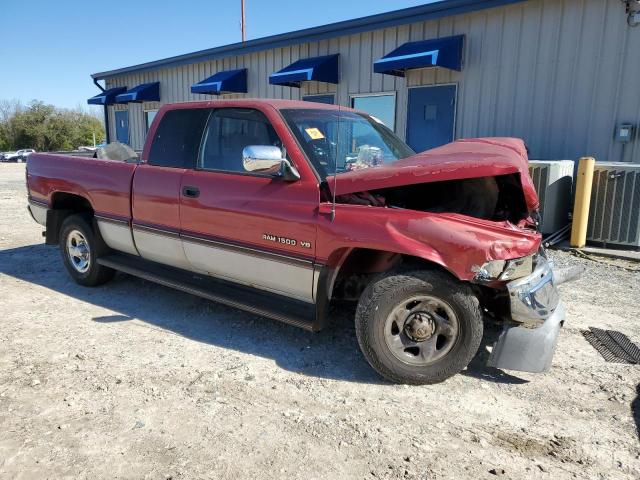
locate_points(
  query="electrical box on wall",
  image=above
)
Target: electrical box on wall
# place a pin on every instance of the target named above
(624, 132)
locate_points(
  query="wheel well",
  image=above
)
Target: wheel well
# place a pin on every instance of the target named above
(62, 205)
(71, 202)
(362, 264)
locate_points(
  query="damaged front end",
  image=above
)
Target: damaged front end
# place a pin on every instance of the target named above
(535, 316)
(496, 198)
(521, 291)
(481, 221)
(530, 333)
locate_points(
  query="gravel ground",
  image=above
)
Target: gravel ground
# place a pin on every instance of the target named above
(133, 380)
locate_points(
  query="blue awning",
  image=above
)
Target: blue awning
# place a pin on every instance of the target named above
(321, 69)
(146, 92)
(107, 97)
(232, 81)
(438, 52)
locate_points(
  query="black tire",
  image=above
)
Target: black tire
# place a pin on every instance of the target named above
(94, 274)
(385, 296)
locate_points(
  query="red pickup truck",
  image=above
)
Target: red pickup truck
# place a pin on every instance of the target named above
(281, 207)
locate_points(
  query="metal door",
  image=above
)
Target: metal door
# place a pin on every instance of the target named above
(431, 116)
(122, 126)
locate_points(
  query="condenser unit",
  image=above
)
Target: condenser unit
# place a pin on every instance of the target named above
(553, 180)
(614, 212)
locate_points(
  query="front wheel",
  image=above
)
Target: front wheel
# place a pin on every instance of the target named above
(418, 327)
(80, 248)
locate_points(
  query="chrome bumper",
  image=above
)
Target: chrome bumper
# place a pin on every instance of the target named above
(528, 344)
(534, 298)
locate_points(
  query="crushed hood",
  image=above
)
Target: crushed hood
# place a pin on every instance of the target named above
(468, 158)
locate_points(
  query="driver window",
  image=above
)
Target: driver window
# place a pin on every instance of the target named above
(230, 130)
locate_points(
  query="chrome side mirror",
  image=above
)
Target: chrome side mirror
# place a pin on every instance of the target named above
(268, 160)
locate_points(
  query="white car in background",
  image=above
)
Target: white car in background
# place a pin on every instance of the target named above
(4, 156)
(19, 156)
(24, 154)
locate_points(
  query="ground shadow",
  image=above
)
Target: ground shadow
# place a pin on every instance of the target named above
(332, 353)
(478, 367)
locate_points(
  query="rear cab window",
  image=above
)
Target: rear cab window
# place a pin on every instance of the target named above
(176, 141)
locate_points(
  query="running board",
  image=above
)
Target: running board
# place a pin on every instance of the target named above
(277, 307)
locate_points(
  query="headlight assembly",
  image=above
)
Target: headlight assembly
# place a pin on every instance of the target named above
(505, 269)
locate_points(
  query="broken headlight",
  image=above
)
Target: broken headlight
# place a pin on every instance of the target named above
(505, 269)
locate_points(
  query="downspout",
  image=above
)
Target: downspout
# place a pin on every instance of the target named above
(106, 112)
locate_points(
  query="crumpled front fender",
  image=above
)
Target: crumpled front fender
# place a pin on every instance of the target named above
(458, 243)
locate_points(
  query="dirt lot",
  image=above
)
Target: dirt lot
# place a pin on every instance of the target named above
(133, 380)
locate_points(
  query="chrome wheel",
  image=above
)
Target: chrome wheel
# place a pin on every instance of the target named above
(421, 330)
(78, 251)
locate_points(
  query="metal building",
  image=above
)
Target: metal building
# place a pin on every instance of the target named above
(561, 74)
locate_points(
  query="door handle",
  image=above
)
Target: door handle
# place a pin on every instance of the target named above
(191, 192)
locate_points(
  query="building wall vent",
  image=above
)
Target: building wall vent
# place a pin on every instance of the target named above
(614, 213)
(553, 180)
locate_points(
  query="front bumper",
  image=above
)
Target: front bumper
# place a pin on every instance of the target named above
(528, 342)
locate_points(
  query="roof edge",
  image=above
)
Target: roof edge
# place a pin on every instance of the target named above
(429, 11)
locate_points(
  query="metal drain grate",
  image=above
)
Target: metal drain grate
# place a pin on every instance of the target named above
(613, 346)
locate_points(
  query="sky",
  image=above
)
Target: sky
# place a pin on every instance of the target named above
(49, 48)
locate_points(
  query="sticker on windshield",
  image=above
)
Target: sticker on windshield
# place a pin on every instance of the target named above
(314, 133)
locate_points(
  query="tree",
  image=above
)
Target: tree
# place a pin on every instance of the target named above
(45, 127)
(8, 109)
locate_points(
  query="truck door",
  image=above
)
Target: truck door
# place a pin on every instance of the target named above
(254, 229)
(156, 186)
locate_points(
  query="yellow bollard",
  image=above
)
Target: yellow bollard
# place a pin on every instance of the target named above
(584, 182)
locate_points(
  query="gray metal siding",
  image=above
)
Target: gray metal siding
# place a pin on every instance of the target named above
(558, 73)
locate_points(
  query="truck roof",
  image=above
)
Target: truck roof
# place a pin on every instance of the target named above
(254, 102)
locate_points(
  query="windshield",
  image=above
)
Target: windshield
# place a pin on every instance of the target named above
(344, 141)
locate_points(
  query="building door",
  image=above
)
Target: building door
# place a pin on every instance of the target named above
(431, 116)
(329, 99)
(122, 126)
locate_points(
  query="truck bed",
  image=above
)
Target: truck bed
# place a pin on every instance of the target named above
(106, 184)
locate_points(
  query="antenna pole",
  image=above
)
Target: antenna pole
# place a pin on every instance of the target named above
(335, 163)
(242, 21)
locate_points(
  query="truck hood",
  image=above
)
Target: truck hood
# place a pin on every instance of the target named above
(462, 159)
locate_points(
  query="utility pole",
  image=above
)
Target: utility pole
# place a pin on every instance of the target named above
(242, 21)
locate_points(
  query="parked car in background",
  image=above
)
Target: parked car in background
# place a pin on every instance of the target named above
(19, 156)
(4, 156)
(24, 154)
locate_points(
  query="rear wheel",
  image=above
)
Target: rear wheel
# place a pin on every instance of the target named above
(80, 249)
(418, 327)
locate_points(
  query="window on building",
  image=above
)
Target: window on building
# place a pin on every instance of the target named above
(149, 115)
(329, 98)
(228, 132)
(383, 107)
(177, 139)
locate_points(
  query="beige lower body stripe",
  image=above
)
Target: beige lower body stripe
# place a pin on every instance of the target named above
(291, 277)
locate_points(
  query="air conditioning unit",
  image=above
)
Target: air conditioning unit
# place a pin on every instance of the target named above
(614, 212)
(553, 180)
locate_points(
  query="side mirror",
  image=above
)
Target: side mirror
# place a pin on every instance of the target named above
(268, 160)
